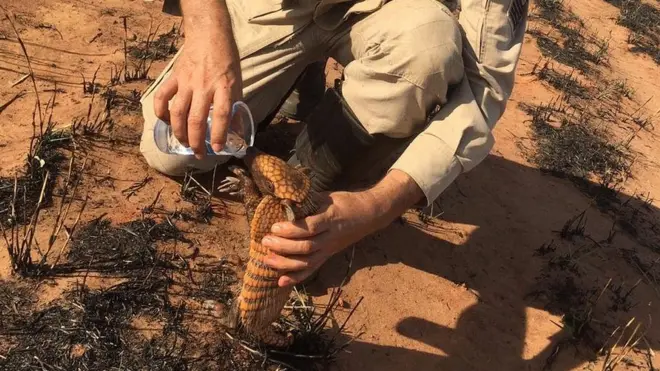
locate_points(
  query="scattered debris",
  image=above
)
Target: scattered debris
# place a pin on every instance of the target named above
(50, 27)
(128, 101)
(101, 247)
(93, 325)
(194, 192)
(574, 45)
(643, 21)
(23, 78)
(635, 217)
(147, 51)
(21, 241)
(93, 126)
(590, 318)
(546, 248)
(634, 337)
(564, 82)
(574, 226)
(91, 87)
(95, 328)
(99, 34)
(620, 298)
(11, 100)
(570, 146)
(551, 9)
(136, 187)
(20, 195)
(159, 48)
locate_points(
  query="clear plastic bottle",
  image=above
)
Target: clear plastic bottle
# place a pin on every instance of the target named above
(240, 135)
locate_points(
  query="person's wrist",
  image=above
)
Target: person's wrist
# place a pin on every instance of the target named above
(206, 21)
(392, 196)
(205, 31)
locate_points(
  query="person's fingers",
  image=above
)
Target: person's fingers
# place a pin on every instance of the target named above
(295, 278)
(284, 246)
(304, 228)
(179, 116)
(289, 263)
(197, 116)
(162, 98)
(220, 119)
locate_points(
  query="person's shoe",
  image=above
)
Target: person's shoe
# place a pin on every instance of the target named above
(331, 141)
(306, 93)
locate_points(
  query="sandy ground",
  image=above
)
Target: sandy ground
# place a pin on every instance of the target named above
(451, 294)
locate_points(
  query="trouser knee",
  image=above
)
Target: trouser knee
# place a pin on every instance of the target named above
(406, 56)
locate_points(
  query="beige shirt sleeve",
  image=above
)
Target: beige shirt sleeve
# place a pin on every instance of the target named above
(459, 136)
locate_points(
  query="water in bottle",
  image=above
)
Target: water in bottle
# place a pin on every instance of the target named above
(240, 135)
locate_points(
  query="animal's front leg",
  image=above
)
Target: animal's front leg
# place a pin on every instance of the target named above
(243, 186)
(231, 185)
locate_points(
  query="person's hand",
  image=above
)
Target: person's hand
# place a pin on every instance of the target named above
(299, 248)
(206, 72)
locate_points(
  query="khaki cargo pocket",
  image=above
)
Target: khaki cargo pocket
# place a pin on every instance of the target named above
(256, 9)
(260, 23)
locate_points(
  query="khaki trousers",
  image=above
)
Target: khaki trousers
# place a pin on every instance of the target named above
(399, 60)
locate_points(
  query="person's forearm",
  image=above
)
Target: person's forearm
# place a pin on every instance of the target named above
(393, 195)
(206, 77)
(207, 16)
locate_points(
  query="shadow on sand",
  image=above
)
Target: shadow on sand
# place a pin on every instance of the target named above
(515, 209)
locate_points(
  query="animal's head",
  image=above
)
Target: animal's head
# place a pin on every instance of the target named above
(274, 176)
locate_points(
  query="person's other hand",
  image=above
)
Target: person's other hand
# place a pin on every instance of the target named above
(206, 72)
(299, 248)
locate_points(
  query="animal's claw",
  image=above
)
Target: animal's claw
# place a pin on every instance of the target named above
(237, 170)
(230, 185)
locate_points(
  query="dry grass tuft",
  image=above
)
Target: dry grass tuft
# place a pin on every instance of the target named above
(643, 21)
(569, 145)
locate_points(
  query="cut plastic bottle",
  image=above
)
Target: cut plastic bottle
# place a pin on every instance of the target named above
(240, 135)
